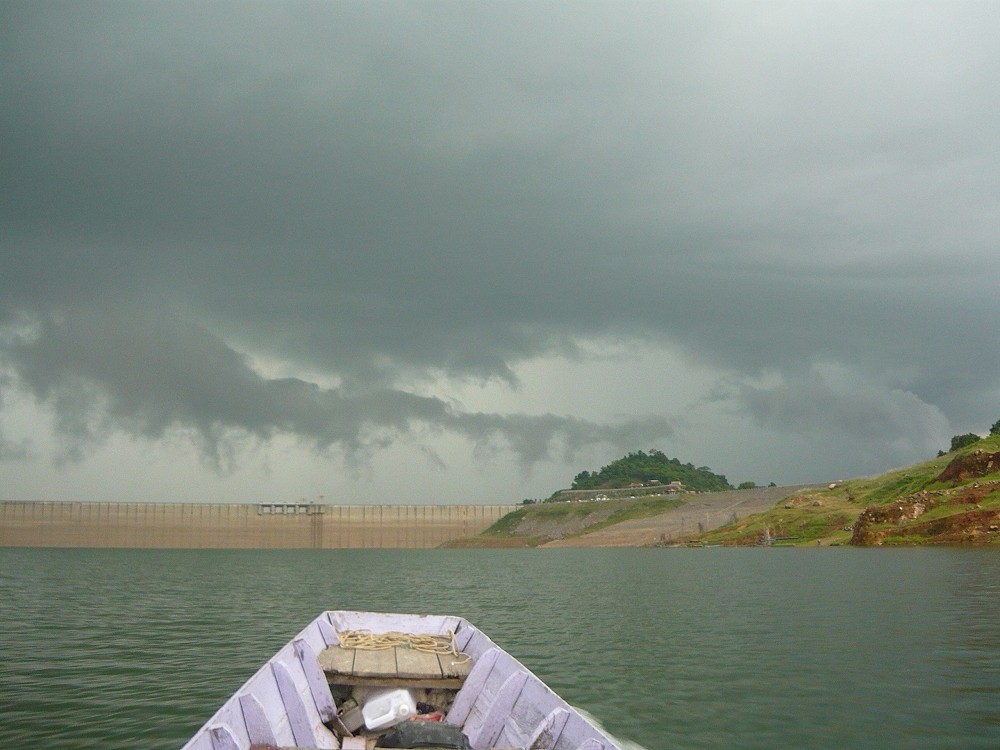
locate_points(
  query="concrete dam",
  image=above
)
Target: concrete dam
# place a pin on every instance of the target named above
(256, 526)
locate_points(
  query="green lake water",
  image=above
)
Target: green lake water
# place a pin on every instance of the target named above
(667, 648)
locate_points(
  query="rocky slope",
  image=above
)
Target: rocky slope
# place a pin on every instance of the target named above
(953, 499)
(966, 512)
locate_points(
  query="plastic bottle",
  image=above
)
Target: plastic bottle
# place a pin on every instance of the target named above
(385, 708)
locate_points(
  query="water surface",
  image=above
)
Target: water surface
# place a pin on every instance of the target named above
(668, 648)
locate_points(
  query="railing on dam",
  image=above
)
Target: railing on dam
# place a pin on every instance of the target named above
(195, 525)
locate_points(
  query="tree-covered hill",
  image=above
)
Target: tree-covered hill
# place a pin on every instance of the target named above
(642, 467)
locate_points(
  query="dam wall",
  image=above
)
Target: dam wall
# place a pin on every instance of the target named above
(258, 526)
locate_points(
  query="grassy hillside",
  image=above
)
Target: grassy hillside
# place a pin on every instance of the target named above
(952, 499)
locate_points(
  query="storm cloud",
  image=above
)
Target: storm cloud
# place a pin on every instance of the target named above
(554, 232)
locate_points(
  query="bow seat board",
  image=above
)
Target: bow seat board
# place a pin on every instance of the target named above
(393, 667)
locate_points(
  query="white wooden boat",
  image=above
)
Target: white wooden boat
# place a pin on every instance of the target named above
(327, 688)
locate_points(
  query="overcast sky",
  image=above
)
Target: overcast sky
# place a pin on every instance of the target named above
(394, 252)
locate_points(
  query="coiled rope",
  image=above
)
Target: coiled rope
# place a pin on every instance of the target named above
(366, 640)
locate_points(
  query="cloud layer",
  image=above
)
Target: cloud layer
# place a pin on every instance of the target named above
(345, 223)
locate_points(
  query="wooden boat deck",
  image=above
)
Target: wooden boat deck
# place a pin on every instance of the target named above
(399, 666)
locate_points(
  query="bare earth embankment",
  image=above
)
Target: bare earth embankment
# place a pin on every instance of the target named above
(648, 521)
(699, 514)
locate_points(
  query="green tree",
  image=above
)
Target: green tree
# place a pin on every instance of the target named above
(960, 441)
(642, 467)
(995, 429)
(747, 485)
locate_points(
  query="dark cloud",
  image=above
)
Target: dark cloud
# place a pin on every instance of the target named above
(147, 374)
(385, 192)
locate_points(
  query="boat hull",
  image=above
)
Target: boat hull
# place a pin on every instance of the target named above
(500, 703)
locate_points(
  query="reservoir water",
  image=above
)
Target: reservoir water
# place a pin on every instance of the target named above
(667, 648)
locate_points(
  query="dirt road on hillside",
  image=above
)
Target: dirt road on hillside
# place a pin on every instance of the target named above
(702, 513)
